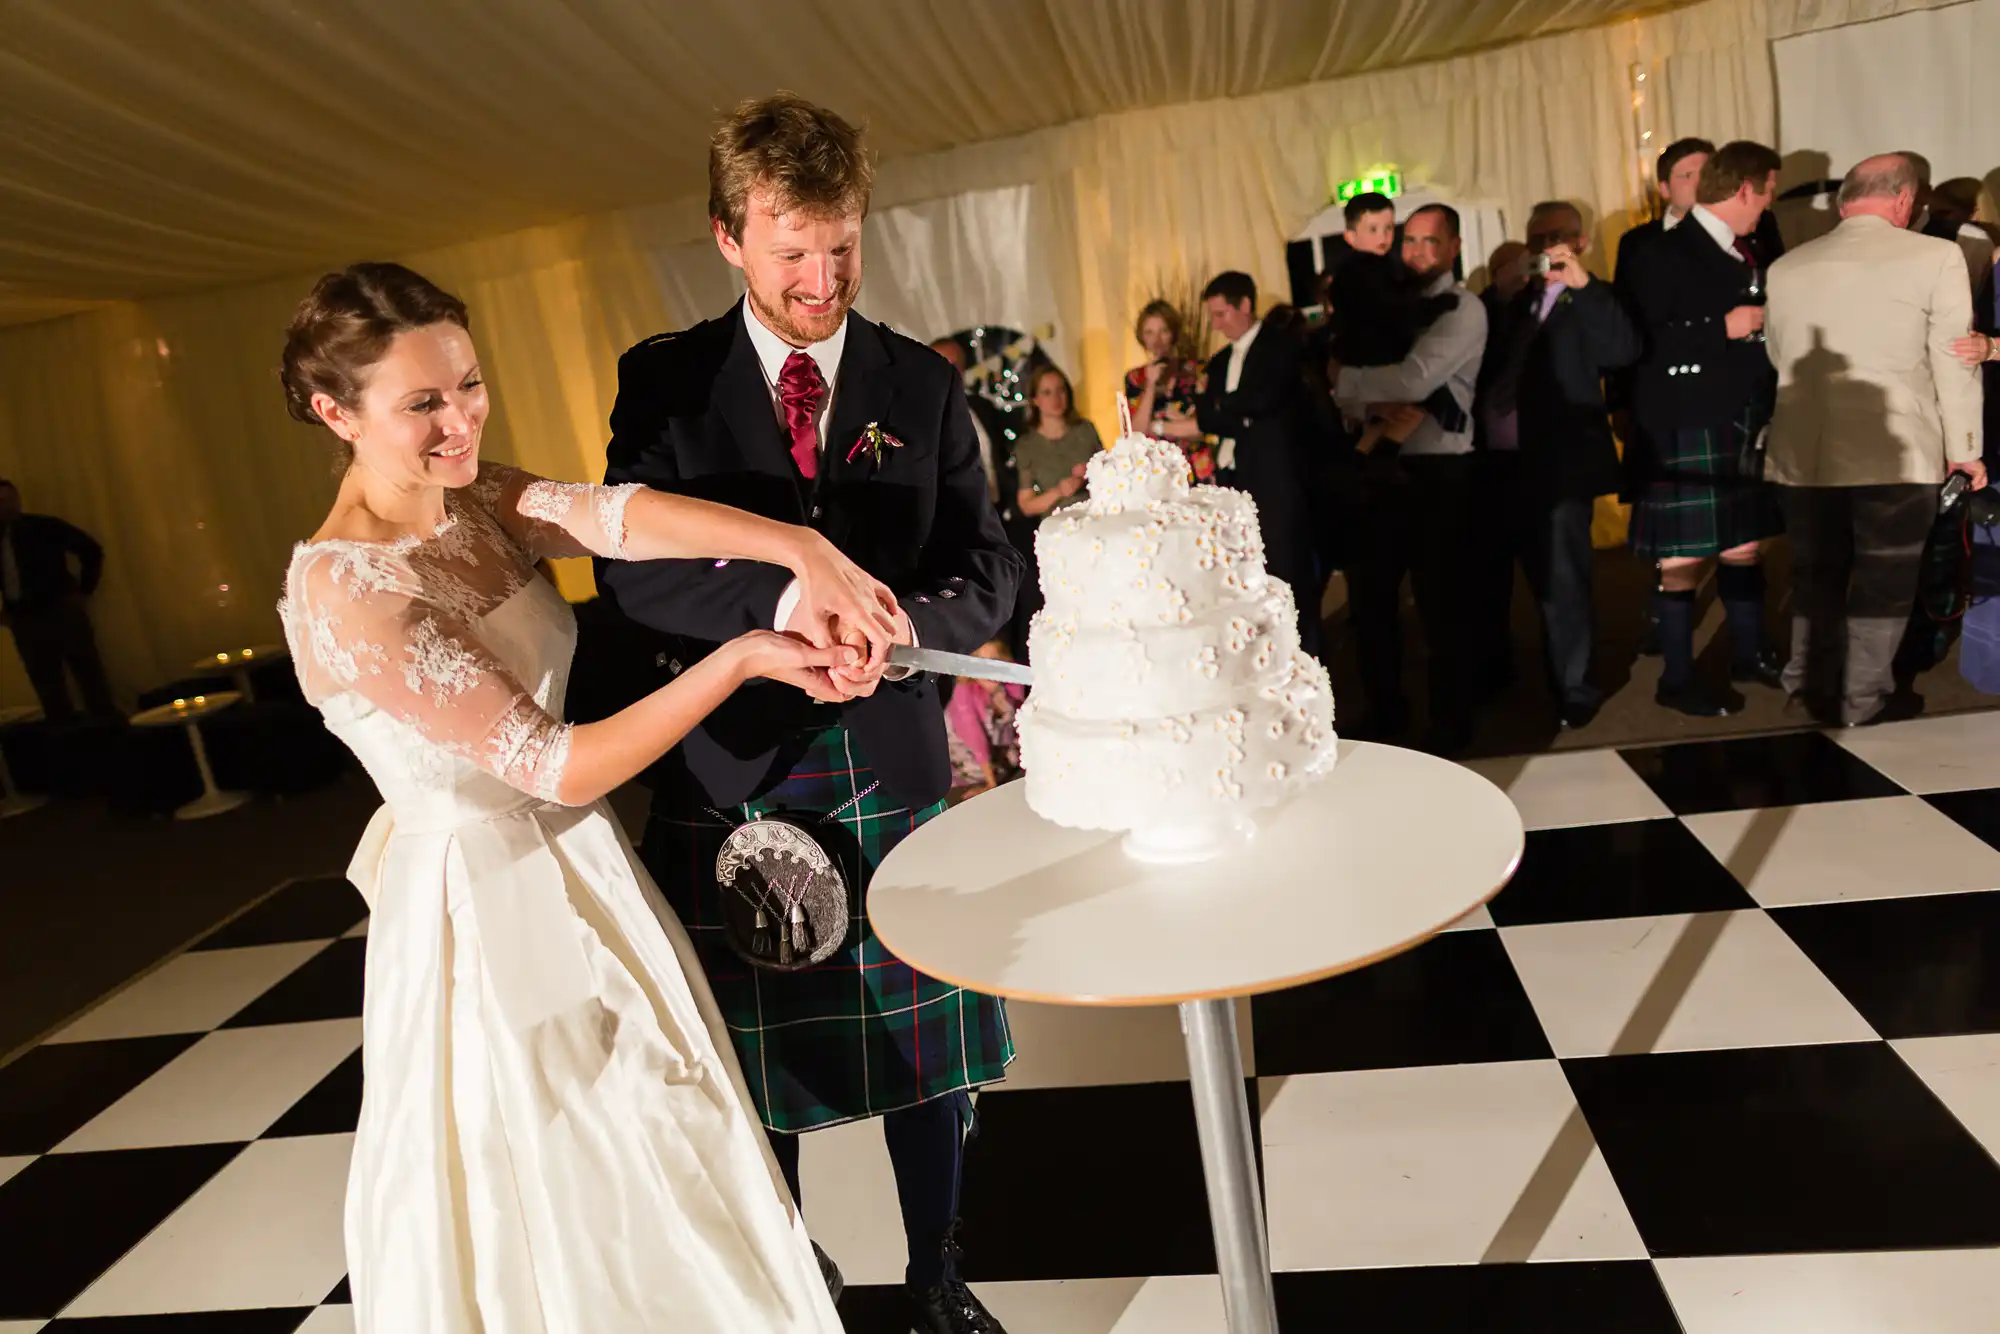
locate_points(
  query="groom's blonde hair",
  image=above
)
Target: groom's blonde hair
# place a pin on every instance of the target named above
(806, 156)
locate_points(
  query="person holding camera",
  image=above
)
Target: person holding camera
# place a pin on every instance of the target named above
(1547, 452)
(1876, 408)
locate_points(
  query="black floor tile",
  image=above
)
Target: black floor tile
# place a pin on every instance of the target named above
(1915, 967)
(1085, 1183)
(874, 1309)
(1451, 1000)
(1977, 811)
(1579, 1297)
(333, 1107)
(52, 1091)
(66, 1218)
(316, 909)
(1786, 1149)
(268, 1320)
(1639, 868)
(1745, 773)
(326, 986)
(342, 1294)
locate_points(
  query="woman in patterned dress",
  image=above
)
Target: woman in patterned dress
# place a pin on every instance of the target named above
(1162, 392)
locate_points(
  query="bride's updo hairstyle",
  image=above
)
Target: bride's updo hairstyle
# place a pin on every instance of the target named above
(345, 326)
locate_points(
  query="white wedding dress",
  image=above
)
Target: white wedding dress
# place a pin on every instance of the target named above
(554, 1137)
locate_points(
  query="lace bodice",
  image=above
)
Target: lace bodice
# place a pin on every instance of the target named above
(441, 661)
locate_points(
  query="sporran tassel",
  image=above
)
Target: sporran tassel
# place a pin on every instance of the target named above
(760, 936)
(802, 943)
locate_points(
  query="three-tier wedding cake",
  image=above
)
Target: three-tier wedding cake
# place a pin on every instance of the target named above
(1171, 695)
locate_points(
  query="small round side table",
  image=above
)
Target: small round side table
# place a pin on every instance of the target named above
(188, 713)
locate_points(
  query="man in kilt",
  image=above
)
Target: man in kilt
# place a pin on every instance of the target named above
(791, 406)
(1702, 396)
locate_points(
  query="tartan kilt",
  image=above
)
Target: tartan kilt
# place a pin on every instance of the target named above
(1696, 500)
(862, 1033)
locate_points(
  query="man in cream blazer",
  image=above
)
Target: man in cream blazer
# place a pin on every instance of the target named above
(1873, 412)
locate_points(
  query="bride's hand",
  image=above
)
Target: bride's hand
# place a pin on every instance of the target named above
(795, 662)
(834, 591)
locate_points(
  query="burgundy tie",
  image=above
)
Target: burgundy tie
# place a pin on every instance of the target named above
(801, 391)
(1743, 249)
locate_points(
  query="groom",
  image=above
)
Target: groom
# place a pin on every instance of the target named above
(791, 406)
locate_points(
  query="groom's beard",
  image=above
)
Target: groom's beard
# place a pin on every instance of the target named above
(784, 317)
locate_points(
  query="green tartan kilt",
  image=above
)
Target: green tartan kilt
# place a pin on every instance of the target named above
(862, 1033)
(1697, 501)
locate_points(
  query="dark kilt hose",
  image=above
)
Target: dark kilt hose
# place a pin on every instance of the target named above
(1695, 498)
(862, 1033)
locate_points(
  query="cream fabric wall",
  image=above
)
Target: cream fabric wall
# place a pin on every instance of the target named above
(158, 425)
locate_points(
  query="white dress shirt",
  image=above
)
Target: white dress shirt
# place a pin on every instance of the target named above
(1720, 230)
(1670, 220)
(1239, 351)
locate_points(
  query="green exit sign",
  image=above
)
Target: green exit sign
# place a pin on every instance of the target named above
(1388, 183)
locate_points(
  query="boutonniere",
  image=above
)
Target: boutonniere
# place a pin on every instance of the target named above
(873, 440)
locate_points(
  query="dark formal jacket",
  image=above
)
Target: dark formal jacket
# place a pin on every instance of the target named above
(1263, 415)
(1634, 246)
(43, 546)
(694, 416)
(1551, 374)
(1692, 374)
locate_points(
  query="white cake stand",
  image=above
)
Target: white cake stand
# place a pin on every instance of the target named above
(1392, 847)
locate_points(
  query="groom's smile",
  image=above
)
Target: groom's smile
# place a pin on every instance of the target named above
(802, 269)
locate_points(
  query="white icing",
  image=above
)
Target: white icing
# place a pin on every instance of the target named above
(1170, 687)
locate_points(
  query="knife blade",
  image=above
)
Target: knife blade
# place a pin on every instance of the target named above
(960, 664)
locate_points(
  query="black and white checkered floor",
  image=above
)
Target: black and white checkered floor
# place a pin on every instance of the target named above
(1724, 1058)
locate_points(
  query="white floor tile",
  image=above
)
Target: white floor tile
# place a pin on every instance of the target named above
(191, 994)
(850, 1201)
(230, 1086)
(1070, 1046)
(1883, 847)
(266, 1231)
(1884, 1292)
(1436, 1165)
(22, 1326)
(1479, 919)
(1964, 1072)
(329, 1320)
(1184, 1304)
(1678, 983)
(1580, 787)
(11, 1167)
(1932, 754)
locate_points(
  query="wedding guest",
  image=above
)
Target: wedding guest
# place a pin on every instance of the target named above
(1506, 274)
(1874, 411)
(1416, 522)
(985, 744)
(1702, 395)
(1251, 404)
(42, 602)
(1051, 453)
(1162, 393)
(1548, 454)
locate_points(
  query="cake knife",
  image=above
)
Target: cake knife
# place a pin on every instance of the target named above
(960, 664)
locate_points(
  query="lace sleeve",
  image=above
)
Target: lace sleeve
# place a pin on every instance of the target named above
(555, 519)
(361, 616)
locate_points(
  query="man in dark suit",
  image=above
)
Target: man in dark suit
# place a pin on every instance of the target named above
(791, 406)
(1547, 451)
(1702, 395)
(1252, 403)
(42, 603)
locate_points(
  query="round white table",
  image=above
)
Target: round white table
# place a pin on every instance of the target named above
(13, 801)
(188, 713)
(1391, 848)
(239, 663)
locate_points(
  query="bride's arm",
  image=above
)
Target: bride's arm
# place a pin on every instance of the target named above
(367, 624)
(636, 522)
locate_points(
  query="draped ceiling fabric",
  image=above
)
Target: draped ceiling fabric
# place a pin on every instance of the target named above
(174, 174)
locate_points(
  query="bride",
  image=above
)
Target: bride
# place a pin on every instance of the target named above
(554, 1138)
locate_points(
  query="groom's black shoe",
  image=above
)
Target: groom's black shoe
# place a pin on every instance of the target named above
(828, 1270)
(949, 1308)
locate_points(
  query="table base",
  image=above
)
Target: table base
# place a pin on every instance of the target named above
(217, 802)
(20, 803)
(1229, 1165)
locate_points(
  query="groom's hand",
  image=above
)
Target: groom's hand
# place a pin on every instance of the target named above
(860, 680)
